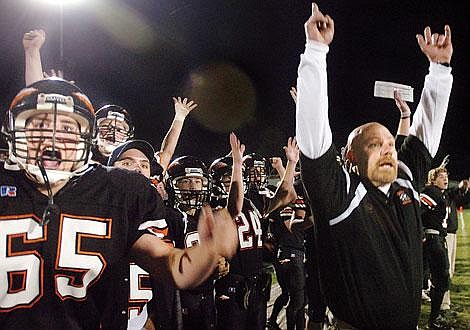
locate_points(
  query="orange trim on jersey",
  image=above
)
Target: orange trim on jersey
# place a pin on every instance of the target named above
(73, 278)
(427, 201)
(11, 275)
(9, 253)
(141, 285)
(138, 308)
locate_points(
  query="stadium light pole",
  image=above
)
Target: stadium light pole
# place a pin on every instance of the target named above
(60, 4)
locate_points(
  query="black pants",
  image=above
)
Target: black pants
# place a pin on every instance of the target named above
(246, 307)
(198, 310)
(291, 276)
(316, 303)
(283, 298)
(435, 253)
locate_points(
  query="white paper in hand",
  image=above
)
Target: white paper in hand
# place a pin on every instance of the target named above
(385, 89)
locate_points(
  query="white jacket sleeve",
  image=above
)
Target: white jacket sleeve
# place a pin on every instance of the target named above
(313, 131)
(430, 114)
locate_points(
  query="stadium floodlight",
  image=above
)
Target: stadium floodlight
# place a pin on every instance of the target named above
(61, 4)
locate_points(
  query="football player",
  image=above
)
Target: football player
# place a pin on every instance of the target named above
(240, 296)
(69, 227)
(188, 185)
(115, 126)
(139, 156)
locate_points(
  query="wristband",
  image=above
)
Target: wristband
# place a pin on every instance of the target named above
(405, 115)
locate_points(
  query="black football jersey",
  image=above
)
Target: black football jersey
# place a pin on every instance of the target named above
(249, 257)
(143, 289)
(434, 209)
(186, 236)
(285, 238)
(73, 272)
(184, 227)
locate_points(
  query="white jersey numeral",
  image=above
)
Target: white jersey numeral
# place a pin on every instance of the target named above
(21, 272)
(245, 236)
(25, 266)
(139, 295)
(70, 256)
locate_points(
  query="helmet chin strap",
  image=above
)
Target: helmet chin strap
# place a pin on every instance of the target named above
(51, 210)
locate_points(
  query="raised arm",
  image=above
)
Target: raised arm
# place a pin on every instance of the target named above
(405, 115)
(236, 193)
(276, 163)
(313, 131)
(32, 43)
(189, 267)
(430, 114)
(285, 193)
(182, 109)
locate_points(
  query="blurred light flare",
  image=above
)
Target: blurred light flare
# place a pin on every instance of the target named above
(61, 2)
(225, 94)
(125, 25)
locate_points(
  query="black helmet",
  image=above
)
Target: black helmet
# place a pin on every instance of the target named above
(219, 171)
(186, 168)
(255, 169)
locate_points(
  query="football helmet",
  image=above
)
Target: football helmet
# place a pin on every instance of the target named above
(188, 183)
(50, 124)
(114, 127)
(220, 172)
(255, 172)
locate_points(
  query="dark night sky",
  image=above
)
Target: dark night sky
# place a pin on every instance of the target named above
(140, 53)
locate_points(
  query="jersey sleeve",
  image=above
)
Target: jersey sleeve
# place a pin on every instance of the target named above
(148, 215)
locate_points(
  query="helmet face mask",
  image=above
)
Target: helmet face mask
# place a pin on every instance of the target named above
(188, 183)
(255, 172)
(114, 127)
(51, 124)
(191, 192)
(221, 176)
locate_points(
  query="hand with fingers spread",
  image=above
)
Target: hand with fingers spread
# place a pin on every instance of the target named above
(167, 149)
(292, 150)
(293, 93)
(33, 40)
(183, 107)
(437, 47)
(319, 27)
